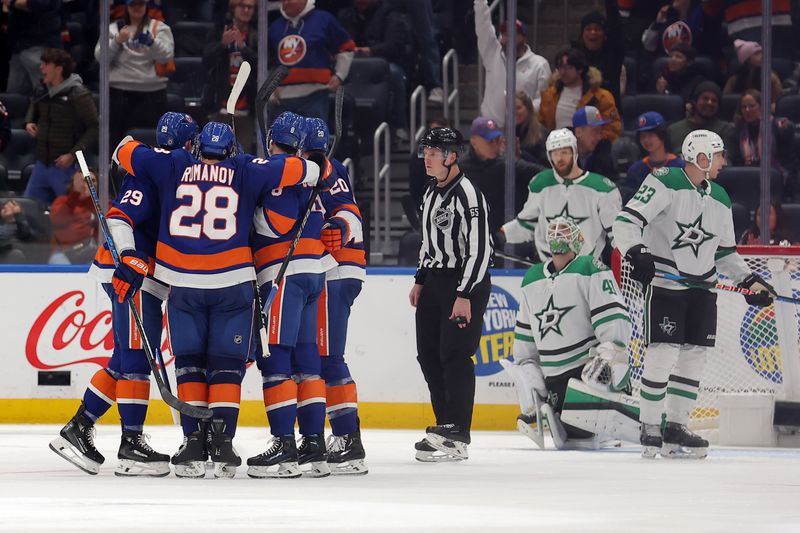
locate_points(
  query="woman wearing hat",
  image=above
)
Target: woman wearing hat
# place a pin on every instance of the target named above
(748, 76)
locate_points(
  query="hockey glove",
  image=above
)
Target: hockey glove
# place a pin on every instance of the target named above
(145, 39)
(327, 175)
(130, 274)
(763, 290)
(607, 367)
(334, 234)
(643, 269)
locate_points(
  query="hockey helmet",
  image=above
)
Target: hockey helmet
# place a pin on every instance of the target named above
(217, 140)
(561, 138)
(446, 139)
(701, 142)
(563, 236)
(174, 129)
(287, 130)
(316, 135)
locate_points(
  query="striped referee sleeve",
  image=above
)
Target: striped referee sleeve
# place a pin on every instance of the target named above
(472, 208)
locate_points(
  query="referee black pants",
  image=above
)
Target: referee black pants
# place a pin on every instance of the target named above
(445, 351)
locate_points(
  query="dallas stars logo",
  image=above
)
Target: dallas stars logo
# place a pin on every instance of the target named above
(691, 235)
(565, 213)
(550, 317)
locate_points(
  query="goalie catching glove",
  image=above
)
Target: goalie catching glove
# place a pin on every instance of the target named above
(334, 234)
(763, 290)
(129, 274)
(607, 368)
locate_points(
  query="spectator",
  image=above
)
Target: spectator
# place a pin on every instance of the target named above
(486, 168)
(5, 127)
(14, 227)
(594, 151)
(417, 177)
(602, 42)
(779, 233)
(307, 40)
(651, 133)
(140, 51)
(228, 46)
(676, 23)
(743, 21)
(154, 9)
(680, 75)
(379, 31)
(703, 110)
(533, 70)
(74, 223)
(746, 151)
(748, 76)
(529, 132)
(575, 85)
(420, 14)
(33, 25)
(63, 118)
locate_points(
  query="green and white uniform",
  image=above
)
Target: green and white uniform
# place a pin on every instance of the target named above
(564, 314)
(688, 229)
(591, 201)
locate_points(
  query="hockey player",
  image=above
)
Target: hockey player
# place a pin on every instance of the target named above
(680, 221)
(203, 253)
(588, 199)
(343, 237)
(572, 324)
(126, 379)
(292, 382)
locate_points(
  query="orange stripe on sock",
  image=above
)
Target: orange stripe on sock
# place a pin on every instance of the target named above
(133, 389)
(106, 384)
(310, 388)
(224, 392)
(280, 393)
(193, 391)
(340, 394)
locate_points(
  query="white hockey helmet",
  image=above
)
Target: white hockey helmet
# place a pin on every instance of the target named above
(562, 138)
(563, 236)
(701, 142)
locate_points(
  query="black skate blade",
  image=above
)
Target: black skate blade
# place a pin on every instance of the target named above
(68, 452)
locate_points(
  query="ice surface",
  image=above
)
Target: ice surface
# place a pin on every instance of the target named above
(506, 485)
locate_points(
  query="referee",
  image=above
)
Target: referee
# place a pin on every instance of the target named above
(450, 293)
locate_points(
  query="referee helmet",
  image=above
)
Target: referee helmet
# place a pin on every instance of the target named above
(445, 139)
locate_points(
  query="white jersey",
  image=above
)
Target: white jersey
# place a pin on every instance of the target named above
(591, 201)
(688, 229)
(564, 314)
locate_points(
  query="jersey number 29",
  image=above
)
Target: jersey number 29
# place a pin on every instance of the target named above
(219, 217)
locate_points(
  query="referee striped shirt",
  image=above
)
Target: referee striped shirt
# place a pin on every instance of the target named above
(455, 233)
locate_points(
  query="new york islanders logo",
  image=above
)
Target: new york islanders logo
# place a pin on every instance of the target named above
(291, 50)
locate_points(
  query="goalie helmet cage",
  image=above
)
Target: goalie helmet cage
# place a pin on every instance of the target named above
(756, 348)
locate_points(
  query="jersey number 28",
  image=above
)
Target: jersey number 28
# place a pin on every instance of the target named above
(219, 218)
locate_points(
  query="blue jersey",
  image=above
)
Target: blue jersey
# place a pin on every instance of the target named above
(206, 210)
(339, 202)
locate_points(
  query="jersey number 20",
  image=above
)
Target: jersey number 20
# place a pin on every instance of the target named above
(219, 218)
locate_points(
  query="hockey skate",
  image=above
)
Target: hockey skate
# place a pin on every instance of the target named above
(76, 443)
(137, 458)
(190, 461)
(221, 451)
(279, 461)
(680, 443)
(650, 439)
(449, 440)
(346, 455)
(312, 452)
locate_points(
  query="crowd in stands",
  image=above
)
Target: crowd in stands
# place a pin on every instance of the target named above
(637, 77)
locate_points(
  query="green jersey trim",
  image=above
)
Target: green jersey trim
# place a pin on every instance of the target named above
(584, 265)
(542, 180)
(597, 182)
(534, 273)
(724, 251)
(618, 316)
(719, 194)
(566, 361)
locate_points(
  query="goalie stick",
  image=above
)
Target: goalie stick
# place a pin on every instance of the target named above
(720, 286)
(314, 194)
(163, 387)
(263, 96)
(515, 258)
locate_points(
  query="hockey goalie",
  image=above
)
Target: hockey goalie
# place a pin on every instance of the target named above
(570, 363)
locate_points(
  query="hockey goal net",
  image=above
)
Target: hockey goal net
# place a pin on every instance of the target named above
(756, 348)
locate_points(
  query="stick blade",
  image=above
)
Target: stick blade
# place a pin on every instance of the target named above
(238, 87)
(82, 163)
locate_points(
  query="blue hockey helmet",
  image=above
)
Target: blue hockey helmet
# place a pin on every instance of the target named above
(316, 135)
(287, 130)
(217, 140)
(174, 129)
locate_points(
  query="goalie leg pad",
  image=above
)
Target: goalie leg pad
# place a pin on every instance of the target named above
(608, 415)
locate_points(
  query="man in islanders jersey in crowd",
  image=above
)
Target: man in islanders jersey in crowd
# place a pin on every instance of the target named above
(203, 253)
(343, 237)
(126, 379)
(293, 387)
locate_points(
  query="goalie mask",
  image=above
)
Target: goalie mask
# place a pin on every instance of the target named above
(563, 236)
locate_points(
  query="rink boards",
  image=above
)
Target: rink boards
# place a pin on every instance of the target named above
(56, 333)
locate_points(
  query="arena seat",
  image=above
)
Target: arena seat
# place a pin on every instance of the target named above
(17, 107)
(190, 37)
(671, 107)
(741, 219)
(789, 107)
(368, 84)
(743, 185)
(791, 218)
(145, 135)
(19, 152)
(189, 79)
(631, 75)
(408, 253)
(783, 67)
(704, 64)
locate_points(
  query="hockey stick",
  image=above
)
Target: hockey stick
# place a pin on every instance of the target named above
(236, 92)
(515, 258)
(263, 96)
(719, 286)
(311, 201)
(163, 388)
